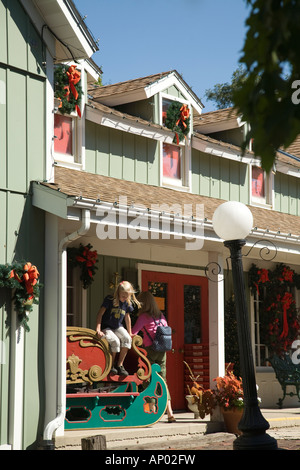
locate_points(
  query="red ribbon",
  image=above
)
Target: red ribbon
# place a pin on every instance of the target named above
(29, 278)
(264, 277)
(74, 77)
(89, 258)
(184, 114)
(286, 301)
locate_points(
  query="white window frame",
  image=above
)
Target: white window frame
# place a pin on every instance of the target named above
(74, 160)
(255, 334)
(78, 294)
(267, 200)
(184, 183)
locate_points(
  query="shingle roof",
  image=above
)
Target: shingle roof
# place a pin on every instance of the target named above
(108, 189)
(99, 92)
(215, 116)
(112, 111)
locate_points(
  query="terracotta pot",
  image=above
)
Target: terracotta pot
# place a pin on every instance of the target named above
(232, 418)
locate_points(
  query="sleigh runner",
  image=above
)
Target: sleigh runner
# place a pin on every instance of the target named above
(98, 399)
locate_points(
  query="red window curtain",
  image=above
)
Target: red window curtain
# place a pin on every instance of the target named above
(258, 182)
(171, 161)
(63, 134)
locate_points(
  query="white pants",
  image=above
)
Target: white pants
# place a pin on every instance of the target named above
(117, 339)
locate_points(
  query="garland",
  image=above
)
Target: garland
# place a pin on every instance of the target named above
(178, 120)
(280, 322)
(23, 278)
(68, 89)
(86, 259)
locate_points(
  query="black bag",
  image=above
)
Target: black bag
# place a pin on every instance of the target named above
(162, 340)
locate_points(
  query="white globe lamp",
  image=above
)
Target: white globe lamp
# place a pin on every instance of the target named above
(232, 220)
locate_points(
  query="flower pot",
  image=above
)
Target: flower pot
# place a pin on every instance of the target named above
(232, 418)
(192, 405)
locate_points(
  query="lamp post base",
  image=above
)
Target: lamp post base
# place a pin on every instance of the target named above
(250, 441)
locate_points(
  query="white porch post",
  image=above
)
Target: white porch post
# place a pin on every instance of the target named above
(216, 321)
(51, 316)
(16, 393)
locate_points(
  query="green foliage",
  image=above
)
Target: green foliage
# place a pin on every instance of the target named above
(222, 93)
(85, 258)
(279, 317)
(175, 123)
(22, 278)
(272, 62)
(62, 90)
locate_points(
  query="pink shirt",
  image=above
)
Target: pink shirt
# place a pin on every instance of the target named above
(144, 320)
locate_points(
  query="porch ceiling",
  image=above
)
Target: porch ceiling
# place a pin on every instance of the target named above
(71, 187)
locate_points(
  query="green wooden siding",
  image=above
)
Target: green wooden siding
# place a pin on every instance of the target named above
(287, 194)
(22, 159)
(118, 154)
(219, 178)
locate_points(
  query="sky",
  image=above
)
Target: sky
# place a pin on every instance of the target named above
(201, 39)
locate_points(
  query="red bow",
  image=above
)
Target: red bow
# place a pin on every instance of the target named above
(184, 114)
(89, 258)
(74, 77)
(29, 278)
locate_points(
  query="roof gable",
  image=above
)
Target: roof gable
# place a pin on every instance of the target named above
(143, 88)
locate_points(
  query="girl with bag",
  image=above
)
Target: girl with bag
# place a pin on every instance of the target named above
(113, 311)
(149, 318)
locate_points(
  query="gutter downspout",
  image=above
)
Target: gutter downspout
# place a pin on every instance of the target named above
(53, 425)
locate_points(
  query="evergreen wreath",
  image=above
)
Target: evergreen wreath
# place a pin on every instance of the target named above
(279, 318)
(178, 120)
(23, 279)
(68, 89)
(86, 259)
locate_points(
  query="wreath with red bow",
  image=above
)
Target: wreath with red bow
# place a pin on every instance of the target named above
(279, 317)
(23, 278)
(86, 259)
(178, 120)
(67, 81)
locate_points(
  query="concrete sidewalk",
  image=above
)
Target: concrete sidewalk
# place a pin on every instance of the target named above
(282, 422)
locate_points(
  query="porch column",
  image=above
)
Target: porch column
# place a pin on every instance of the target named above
(51, 317)
(216, 320)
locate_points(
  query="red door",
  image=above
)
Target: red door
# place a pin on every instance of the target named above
(183, 299)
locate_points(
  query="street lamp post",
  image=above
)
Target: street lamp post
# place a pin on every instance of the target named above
(232, 222)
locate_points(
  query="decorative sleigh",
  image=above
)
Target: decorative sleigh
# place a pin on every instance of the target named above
(97, 399)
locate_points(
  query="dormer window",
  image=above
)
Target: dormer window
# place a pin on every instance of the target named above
(258, 183)
(261, 186)
(68, 125)
(64, 135)
(172, 161)
(175, 155)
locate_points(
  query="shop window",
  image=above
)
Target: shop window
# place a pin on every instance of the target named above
(74, 297)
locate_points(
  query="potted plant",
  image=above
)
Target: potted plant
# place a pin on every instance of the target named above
(200, 401)
(230, 397)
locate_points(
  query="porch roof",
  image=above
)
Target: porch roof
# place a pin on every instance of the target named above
(71, 186)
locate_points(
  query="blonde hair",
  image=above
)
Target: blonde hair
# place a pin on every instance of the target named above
(148, 304)
(125, 286)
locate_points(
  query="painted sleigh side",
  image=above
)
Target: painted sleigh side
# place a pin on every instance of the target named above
(96, 399)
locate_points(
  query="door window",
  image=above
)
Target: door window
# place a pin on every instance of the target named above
(192, 314)
(159, 290)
